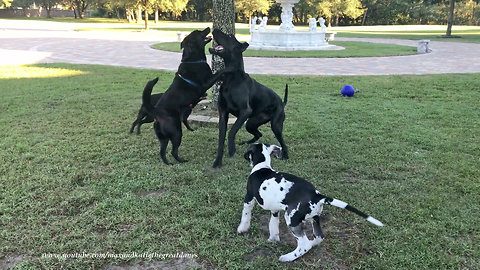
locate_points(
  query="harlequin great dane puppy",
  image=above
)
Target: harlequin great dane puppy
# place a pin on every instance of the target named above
(277, 191)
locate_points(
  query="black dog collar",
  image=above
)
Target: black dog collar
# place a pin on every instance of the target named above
(194, 62)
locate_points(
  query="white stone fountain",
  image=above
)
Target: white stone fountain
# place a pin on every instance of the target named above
(286, 37)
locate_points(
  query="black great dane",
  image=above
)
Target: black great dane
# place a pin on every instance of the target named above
(192, 79)
(245, 98)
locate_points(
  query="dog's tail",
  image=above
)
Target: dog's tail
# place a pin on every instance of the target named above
(286, 95)
(344, 205)
(146, 97)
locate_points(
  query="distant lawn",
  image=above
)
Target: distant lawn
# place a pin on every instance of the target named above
(72, 20)
(466, 33)
(72, 179)
(352, 49)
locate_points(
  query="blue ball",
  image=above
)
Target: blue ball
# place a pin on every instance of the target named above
(347, 90)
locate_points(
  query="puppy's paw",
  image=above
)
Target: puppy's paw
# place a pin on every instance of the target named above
(243, 228)
(317, 241)
(274, 239)
(288, 257)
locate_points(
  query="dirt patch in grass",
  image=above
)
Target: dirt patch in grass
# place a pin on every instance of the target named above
(10, 261)
(261, 252)
(178, 264)
(152, 194)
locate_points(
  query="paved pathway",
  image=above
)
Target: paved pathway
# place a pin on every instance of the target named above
(27, 42)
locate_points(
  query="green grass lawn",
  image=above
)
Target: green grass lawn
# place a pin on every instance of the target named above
(465, 35)
(404, 150)
(352, 49)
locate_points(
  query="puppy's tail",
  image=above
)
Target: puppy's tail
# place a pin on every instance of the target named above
(344, 205)
(146, 97)
(286, 96)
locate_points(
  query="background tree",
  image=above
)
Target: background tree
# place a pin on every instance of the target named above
(146, 5)
(48, 6)
(161, 5)
(223, 19)
(451, 12)
(178, 6)
(24, 4)
(201, 9)
(340, 8)
(248, 7)
(5, 3)
(81, 6)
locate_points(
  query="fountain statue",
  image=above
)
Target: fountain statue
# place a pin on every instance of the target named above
(286, 37)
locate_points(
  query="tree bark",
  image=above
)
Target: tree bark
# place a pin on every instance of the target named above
(156, 15)
(450, 18)
(364, 17)
(146, 19)
(139, 14)
(223, 19)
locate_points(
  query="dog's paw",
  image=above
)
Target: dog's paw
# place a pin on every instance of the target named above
(317, 241)
(217, 164)
(274, 239)
(243, 228)
(288, 257)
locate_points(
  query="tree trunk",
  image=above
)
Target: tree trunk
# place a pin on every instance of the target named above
(49, 11)
(450, 18)
(139, 15)
(223, 19)
(146, 19)
(156, 15)
(364, 17)
(337, 17)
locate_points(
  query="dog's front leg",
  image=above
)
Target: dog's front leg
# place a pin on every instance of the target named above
(273, 228)
(222, 131)
(213, 79)
(233, 131)
(246, 216)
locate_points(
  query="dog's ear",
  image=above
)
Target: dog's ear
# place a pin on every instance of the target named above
(276, 151)
(244, 46)
(181, 45)
(248, 155)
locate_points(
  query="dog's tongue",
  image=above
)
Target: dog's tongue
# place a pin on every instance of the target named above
(219, 48)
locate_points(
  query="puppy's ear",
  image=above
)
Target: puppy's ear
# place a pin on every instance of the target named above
(244, 46)
(181, 45)
(248, 155)
(276, 151)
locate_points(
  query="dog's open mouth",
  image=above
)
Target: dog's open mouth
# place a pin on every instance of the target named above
(219, 48)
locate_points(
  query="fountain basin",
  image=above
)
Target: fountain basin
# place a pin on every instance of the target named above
(289, 41)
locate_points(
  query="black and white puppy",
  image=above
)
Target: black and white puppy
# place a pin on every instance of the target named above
(277, 191)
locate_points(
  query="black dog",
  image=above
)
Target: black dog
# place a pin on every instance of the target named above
(192, 79)
(245, 98)
(277, 191)
(143, 117)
